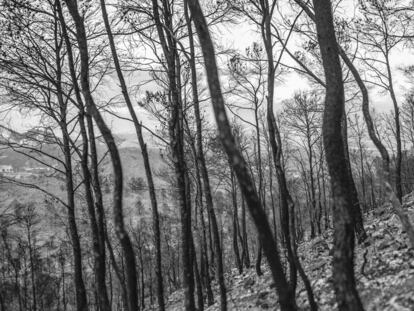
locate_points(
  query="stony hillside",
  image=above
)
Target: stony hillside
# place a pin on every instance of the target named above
(384, 271)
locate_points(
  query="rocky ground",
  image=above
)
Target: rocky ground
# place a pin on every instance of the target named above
(384, 271)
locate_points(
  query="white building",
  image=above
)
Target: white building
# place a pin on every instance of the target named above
(6, 169)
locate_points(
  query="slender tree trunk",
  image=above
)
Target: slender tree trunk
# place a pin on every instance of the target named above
(286, 202)
(399, 211)
(99, 207)
(358, 221)
(81, 300)
(141, 267)
(287, 300)
(148, 172)
(239, 263)
(272, 200)
(343, 269)
(32, 269)
(276, 145)
(318, 181)
(312, 180)
(325, 199)
(113, 150)
(63, 284)
(177, 144)
(361, 159)
(245, 238)
(96, 224)
(199, 287)
(18, 290)
(99, 256)
(357, 214)
(203, 167)
(117, 270)
(258, 264)
(260, 188)
(398, 160)
(207, 280)
(204, 276)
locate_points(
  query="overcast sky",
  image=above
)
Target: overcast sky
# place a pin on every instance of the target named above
(237, 37)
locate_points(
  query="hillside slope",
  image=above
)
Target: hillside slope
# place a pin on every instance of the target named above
(384, 271)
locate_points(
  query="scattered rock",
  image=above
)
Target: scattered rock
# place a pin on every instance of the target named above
(263, 295)
(248, 283)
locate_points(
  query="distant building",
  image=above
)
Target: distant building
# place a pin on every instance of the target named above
(37, 169)
(6, 169)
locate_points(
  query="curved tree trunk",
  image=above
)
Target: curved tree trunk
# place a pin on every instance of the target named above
(286, 297)
(287, 213)
(276, 145)
(175, 126)
(113, 150)
(238, 260)
(399, 211)
(145, 157)
(398, 160)
(81, 300)
(357, 213)
(201, 162)
(96, 224)
(117, 270)
(343, 265)
(98, 250)
(80, 290)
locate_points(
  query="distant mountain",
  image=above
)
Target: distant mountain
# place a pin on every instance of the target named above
(129, 150)
(133, 165)
(126, 140)
(20, 161)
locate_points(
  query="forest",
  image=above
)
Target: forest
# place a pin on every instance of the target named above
(206, 155)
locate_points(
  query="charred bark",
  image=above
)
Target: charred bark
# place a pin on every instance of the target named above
(145, 157)
(113, 150)
(344, 242)
(286, 298)
(96, 224)
(201, 162)
(175, 127)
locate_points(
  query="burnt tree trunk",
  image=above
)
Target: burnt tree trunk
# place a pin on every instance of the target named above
(286, 297)
(287, 214)
(121, 232)
(246, 253)
(145, 157)
(176, 134)
(344, 242)
(396, 204)
(98, 250)
(357, 212)
(236, 250)
(201, 162)
(275, 143)
(80, 290)
(98, 239)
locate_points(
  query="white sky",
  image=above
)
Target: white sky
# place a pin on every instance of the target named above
(238, 37)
